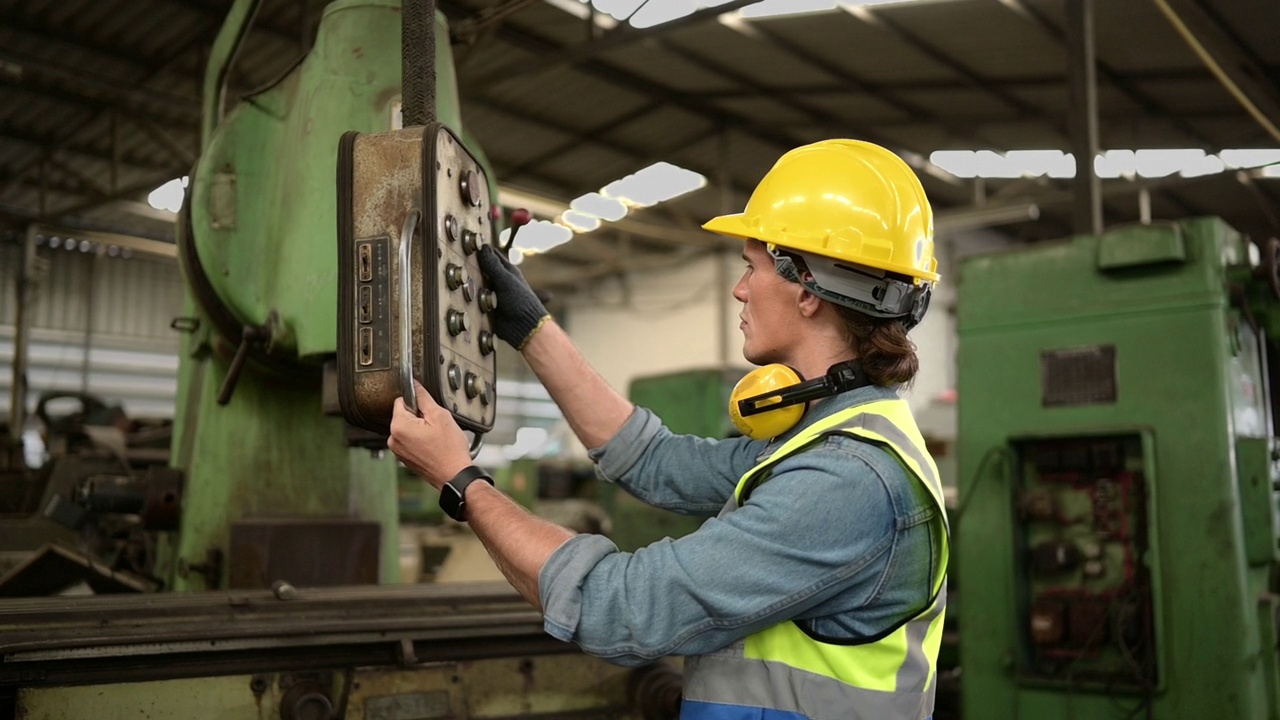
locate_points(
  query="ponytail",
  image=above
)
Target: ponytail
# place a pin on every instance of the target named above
(885, 352)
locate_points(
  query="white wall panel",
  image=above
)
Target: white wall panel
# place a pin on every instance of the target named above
(132, 356)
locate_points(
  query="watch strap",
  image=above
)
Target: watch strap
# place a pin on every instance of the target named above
(453, 494)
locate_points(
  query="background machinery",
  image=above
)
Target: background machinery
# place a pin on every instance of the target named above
(276, 574)
(1117, 530)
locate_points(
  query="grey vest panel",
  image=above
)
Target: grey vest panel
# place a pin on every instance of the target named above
(761, 683)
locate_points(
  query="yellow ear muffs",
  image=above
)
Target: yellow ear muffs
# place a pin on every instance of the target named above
(765, 424)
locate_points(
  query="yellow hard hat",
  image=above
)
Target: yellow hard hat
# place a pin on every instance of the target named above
(847, 200)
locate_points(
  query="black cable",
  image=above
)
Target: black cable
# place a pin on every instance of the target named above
(999, 451)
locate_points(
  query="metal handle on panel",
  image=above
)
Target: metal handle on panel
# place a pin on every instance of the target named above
(406, 312)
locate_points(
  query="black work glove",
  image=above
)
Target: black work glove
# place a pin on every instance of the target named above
(520, 313)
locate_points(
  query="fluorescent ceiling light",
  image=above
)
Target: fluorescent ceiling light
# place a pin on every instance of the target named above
(169, 195)
(580, 221)
(538, 236)
(600, 206)
(657, 183)
(775, 8)
(1242, 158)
(1120, 163)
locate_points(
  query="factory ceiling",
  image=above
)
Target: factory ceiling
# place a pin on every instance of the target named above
(100, 103)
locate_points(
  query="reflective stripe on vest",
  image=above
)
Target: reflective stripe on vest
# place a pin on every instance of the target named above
(781, 672)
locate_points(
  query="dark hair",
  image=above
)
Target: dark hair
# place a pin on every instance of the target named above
(886, 353)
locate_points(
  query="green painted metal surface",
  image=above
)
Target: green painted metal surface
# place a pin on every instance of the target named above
(264, 191)
(693, 402)
(263, 223)
(1188, 381)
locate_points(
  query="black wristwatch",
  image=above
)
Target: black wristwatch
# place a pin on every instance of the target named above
(453, 494)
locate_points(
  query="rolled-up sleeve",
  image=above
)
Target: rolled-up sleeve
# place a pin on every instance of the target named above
(822, 526)
(682, 473)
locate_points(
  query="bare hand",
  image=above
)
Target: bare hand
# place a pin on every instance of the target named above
(433, 446)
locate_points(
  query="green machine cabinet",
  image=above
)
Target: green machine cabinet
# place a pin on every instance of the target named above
(690, 402)
(1116, 527)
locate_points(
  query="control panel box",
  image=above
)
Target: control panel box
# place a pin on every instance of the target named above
(414, 209)
(1085, 585)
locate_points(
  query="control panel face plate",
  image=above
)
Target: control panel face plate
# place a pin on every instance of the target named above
(413, 200)
(460, 362)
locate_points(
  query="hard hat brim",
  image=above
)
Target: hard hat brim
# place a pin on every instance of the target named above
(730, 225)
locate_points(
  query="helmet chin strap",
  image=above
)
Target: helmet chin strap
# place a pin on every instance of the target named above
(841, 377)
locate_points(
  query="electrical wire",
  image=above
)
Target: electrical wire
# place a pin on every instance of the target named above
(978, 475)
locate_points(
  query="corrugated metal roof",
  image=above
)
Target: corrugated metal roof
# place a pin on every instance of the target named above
(549, 99)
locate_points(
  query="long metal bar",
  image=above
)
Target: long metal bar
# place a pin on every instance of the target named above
(1084, 118)
(25, 296)
(96, 639)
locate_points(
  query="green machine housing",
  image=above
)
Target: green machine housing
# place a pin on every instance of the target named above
(1117, 521)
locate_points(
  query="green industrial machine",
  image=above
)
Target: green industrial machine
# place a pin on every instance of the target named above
(692, 402)
(278, 578)
(1117, 524)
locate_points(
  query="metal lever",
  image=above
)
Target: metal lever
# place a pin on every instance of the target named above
(406, 312)
(519, 218)
(250, 335)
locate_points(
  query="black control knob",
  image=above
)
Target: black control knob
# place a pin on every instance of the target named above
(472, 385)
(451, 228)
(455, 377)
(487, 394)
(469, 245)
(457, 321)
(486, 342)
(455, 277)
(488, 300)
(471, 188)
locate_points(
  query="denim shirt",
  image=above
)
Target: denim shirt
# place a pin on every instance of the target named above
(838, 538)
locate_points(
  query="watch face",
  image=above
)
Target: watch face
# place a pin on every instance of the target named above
(451, 502)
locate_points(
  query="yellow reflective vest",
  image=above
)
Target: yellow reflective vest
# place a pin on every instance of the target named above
(782, 672)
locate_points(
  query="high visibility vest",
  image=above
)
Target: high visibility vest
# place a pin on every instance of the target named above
(783, 672)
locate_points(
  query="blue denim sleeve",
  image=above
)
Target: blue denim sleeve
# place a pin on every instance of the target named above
(683, 473)
(821, 527)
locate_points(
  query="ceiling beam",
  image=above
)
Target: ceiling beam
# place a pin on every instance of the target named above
(623, 78)
(884, 22)
(52, 35)
(1106, 72)
(49, 142)
(622, 35)
(89, 87)
(640, 154)
(595, 134)
(1235, 70)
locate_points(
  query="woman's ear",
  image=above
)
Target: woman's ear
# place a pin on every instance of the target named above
(809, 304)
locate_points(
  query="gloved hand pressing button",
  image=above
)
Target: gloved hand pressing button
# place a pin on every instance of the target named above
(519, 314)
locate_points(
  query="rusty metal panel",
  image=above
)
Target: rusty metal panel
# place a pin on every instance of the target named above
(304, 552)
